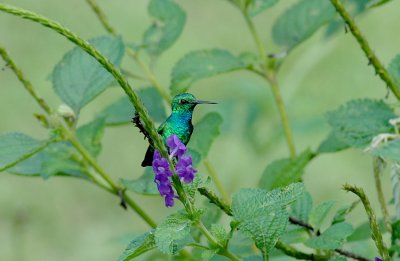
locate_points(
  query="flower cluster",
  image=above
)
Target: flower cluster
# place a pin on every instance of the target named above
(162, 170)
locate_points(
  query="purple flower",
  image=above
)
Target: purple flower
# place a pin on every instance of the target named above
(378, 259)
(176, 147)
(184, 169)
(162, 173)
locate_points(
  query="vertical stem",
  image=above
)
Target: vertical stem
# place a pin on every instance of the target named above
(271, 78)
(377, 166)
(215, 178)
(376, 233)
(373, 59)
(102, 16)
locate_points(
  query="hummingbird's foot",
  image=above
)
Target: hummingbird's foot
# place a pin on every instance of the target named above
(123, 201)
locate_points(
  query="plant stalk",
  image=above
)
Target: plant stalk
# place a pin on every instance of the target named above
(377, 166)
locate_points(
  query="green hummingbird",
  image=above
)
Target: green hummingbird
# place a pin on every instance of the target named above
(178, 123)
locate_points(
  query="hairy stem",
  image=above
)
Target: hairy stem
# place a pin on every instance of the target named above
(376, 233)
(102, 16)
(372, 58)
(377, 166)
(271, 78)
(213, 174)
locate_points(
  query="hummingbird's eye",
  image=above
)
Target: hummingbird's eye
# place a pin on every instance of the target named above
(183, 101)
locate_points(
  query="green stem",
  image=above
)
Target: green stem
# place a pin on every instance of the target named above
(376, 234)
(224, 251)
(215, 200)
(215, 178)
(373, 59)
(101, 16)
(25, 82)
(271, 78)
(377, 166)
(84, 45)
(290, 251)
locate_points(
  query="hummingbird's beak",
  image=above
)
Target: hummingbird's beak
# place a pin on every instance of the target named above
(203, 102)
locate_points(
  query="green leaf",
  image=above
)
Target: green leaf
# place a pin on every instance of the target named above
(90, 135)
(341, 213)
(121, 111)
(202, 64)
(283, 172)
(388, 151)
(357, 122)
(363, 231)
(396, 234)
(331, 238)
(319, 213)
(57, 159)
(207, 129)
(394, 70)
(300, 21)
(144, 185)
(332, 144)
(173, 233)
(395, 182)
(219, 233)
(263, 214)
(138, 246)
(78, 78)
(169, 20)
(16, 146)
(294, 234)
(257, 6)
(301, 208)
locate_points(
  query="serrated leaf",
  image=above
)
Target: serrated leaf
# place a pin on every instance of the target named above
(218, 231)
(396, 234)
(144, 185)
(331, 144)
(202, 64)
(78, 78)
(388, 151)
(357, 122)
(257, 6)
(301, 208)
(90, 135)
(16, 146)
(394, 70)
(207, 129)
(121, 111)
(211, 215)
(262, 214)
(319, 213)
(138, 246)
(169, 20)
(57, 159)
(331, 238)
(173, 233)
(285, 171)
(341, 213)
(301, 21)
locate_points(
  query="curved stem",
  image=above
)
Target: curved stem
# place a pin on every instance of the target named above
(377, 166)
(102, 16)
(85, 46)
(270, 76)
(376, 233)
(373, 59)
(213, 174)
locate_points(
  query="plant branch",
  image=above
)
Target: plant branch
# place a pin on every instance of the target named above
(270, 76)
(92, 51)
(376, 234)
(213, 174)
(372, 58)
(377, 166)
(25, 82)
(101, 16)
(215, 200)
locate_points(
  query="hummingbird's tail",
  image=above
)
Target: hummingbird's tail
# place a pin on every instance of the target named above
(148, 158)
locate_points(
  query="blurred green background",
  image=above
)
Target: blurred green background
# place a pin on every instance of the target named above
(69, 219)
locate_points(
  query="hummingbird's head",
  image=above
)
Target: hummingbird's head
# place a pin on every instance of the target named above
(186, 102)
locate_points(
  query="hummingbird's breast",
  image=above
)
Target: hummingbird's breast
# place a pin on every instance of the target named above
(180, 125)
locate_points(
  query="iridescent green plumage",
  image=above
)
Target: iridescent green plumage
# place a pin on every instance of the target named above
(178, 123)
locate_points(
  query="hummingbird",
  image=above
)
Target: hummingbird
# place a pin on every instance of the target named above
(178, 123)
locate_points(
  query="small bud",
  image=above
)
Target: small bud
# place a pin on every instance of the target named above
(42, 119)
(67, 113)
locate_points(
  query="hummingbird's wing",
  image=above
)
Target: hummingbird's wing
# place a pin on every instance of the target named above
(148, 158)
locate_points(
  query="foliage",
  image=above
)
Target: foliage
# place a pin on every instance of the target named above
(277, 216)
